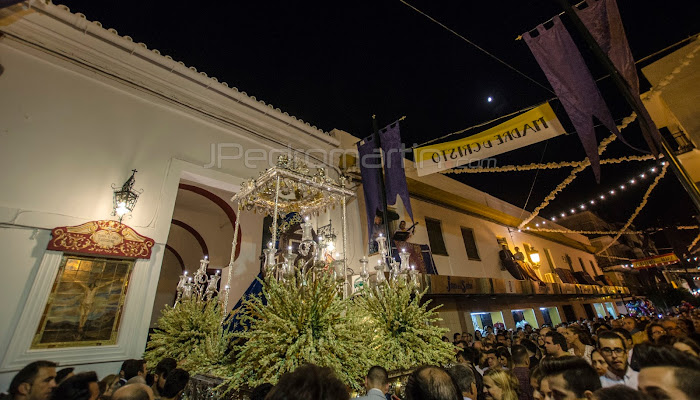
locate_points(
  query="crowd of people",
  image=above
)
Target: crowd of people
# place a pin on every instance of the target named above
(604, 359)
(41, 380)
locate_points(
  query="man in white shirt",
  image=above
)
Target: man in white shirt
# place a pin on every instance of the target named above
(614, 350)
(376, 383)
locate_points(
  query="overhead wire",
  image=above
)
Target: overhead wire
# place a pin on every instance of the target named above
(477, 46)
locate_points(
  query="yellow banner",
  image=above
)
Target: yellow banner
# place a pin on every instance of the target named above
(528, 128)
(663, 259)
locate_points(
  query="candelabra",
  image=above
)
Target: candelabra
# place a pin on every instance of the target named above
(199, 286)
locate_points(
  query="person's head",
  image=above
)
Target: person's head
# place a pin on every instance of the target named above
(521, 357)
(260, 391)
(517, 249)
(654, 331)
(598, 363)
(619, 392)
(63, 374)
(528, 329)
(535, 381)
(431, 383)
(555, 344)
(491, 358)
(568, 378)
(500, 385)
(530, 346)
(573, 335)
(82, 386)
(505, 360)
(614, 350)
(162, 370)
(175, 383)
(131, 368)
(465, 379)
(686, 345)
(377, 378)
(134, 391)
(456, 337)
(629, 324)
(625, 335)
(402, 225)
(501, 338)
(667, 373)
(477, 345)
(36, 381)
(544, 330)
(671, 327)
(462, 344)
(109, 383)
(309, 382)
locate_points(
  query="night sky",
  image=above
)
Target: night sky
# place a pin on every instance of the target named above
(334, 64)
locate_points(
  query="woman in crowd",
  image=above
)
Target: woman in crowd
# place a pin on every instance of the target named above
(108, 385)
(686, 345)
(535, 382)
(598, 363)
(655, 331)
(578, 341)
(500, 385)
(504, 357)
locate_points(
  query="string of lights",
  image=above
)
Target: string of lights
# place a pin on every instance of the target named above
(608, 194)
(640, 207)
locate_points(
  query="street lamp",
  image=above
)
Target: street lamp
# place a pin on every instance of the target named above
(125, 197)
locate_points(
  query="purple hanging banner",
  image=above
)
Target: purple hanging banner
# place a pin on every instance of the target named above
(370, 168)
(602, 19)
(573, 84)
(394, 174)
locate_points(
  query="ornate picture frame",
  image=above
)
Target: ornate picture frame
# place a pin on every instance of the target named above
(86, 302)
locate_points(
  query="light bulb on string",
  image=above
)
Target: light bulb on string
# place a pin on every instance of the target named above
(612, 192)
(632, 181)
(592, 201)
(642, 176)
(622, 187)
(653, 169)
(602, 197)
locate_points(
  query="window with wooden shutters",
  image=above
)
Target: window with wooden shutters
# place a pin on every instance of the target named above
(470, 244)
(437, 243)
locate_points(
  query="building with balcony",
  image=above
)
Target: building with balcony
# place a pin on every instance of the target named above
(83, 106)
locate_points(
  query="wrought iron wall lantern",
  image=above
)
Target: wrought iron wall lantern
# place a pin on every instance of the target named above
(125, 197)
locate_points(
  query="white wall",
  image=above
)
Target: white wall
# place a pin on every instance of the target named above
(485, 233)
(66, 134)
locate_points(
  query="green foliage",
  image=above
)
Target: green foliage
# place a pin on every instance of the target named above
(192, 333)
(405, 332)
(303, 321)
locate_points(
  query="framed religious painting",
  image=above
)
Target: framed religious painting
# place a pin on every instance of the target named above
(85, 304)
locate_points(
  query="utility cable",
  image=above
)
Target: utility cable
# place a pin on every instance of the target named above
(477, 46)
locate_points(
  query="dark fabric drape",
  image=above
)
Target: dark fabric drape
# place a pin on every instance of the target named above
(394, 174)
(573, 84)
(602, 19)
(370, 168)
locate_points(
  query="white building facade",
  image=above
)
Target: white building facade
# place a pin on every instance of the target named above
(82, 106)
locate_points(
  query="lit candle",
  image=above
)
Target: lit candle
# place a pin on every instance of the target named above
(226, 287)
(218, 271)
(185, 273)
(289, 249)
(206, 257)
